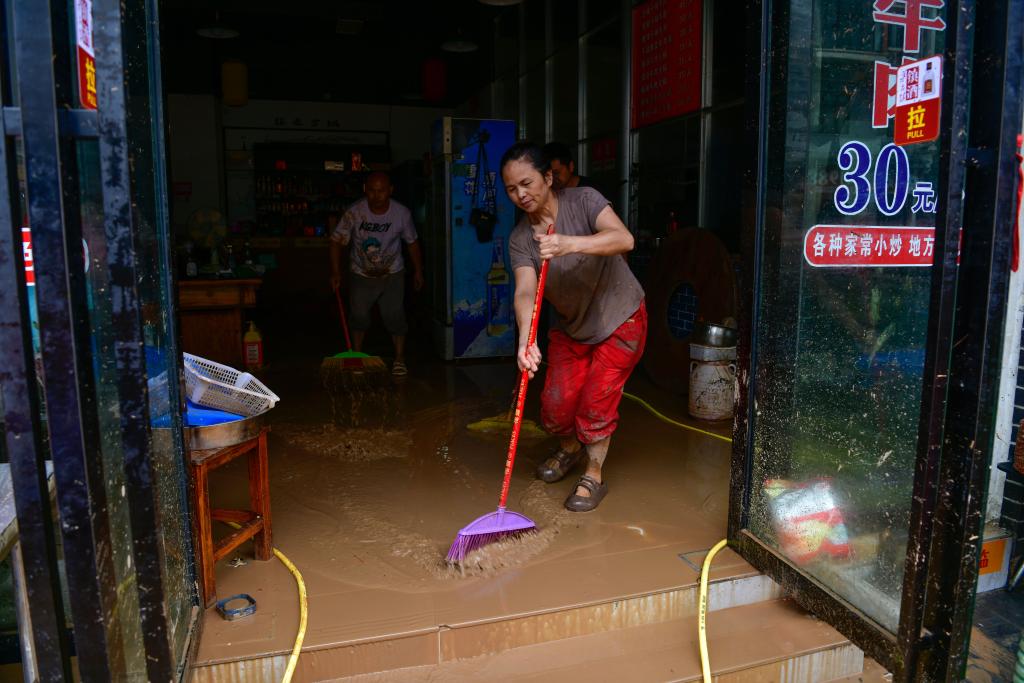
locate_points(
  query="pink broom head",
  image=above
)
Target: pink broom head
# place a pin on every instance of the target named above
(492, 527)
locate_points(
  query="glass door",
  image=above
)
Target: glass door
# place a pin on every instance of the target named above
(86, 315)
(844, 461)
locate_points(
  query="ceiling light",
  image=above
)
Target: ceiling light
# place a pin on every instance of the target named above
(216, 30)
(459, 45)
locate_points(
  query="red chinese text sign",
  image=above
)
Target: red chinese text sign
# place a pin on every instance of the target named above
(666, 66)
(86, 55)
(854, 246)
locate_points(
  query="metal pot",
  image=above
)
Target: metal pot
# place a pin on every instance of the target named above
(224, 434)
(217, 436)
(710, 334)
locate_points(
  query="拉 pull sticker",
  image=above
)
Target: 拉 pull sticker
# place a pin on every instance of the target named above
(918, 101)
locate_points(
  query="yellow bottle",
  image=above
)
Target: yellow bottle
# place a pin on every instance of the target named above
(253, 343)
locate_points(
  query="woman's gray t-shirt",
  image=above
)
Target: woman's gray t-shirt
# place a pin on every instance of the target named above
(592, 295)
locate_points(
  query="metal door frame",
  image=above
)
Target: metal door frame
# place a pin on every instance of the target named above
(45, 116)
(982, 96)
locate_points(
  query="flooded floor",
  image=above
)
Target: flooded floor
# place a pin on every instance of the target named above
(368, 513)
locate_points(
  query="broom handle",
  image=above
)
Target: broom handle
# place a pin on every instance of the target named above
(524, 378)
(344, 322)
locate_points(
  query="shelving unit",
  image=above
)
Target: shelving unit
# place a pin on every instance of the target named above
(298, 185)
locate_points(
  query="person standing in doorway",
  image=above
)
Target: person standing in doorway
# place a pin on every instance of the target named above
(563, 167)
(373, 230)
(601, 317)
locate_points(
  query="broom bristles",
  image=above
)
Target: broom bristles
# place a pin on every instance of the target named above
(467, 543)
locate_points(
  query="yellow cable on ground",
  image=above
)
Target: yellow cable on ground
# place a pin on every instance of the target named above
(665, 418)
(293, 660)
(705, 664)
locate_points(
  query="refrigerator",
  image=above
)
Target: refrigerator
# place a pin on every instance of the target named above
(473, 216)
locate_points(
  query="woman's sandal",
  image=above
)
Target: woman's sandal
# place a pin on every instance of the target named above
(558, 465)
(576, 503)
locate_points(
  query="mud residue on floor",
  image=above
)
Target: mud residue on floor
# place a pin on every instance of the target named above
(546, 512)
(348, 445)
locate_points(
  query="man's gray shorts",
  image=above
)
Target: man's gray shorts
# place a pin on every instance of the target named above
(388, 291)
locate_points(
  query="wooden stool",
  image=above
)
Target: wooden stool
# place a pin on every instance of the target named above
(255, 522)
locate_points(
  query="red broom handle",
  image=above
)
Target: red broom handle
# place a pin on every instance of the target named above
(524, 378)
(344, 322)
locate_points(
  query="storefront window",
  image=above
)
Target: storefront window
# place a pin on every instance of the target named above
(535, 104)
(724, 159)
(841, 322)
(668, 173)
(600, 11)
(505, 98)
(506, 42)
(727, 71)
(603, 109)
(564, 23)
(565, 95)
(603, 105)
(535, 33)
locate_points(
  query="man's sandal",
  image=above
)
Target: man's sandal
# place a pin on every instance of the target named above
(558, 465)
(399, 368)
(576, 503)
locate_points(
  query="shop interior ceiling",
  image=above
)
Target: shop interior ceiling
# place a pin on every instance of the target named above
(369, 52)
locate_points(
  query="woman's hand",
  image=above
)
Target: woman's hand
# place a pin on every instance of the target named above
(554, 245)
(529, 359)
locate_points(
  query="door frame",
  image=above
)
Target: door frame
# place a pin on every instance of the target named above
(40, 106)
(982, 92)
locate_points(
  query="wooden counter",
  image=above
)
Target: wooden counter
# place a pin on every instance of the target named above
(211, 317)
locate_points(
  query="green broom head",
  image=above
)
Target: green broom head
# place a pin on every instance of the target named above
(351, 354)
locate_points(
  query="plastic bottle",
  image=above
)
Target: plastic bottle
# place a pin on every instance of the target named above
(253, 343)
(191, 267)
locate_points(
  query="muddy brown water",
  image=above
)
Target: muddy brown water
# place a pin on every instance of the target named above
(378, 504)
(398, 496)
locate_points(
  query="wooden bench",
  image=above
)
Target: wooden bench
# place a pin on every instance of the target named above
(253, 523)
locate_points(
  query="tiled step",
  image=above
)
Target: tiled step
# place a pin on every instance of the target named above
(767, 641)
(751, 629)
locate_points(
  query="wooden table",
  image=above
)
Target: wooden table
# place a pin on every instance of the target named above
(211, 314)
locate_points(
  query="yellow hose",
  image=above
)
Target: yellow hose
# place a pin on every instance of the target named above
(705, 664)
(293, 660)
(665, 418)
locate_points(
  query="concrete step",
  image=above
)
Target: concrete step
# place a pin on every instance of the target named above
(767, 641)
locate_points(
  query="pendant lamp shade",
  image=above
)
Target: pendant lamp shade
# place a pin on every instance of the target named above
(234, 80)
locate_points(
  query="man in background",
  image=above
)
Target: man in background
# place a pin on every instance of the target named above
(373, 231)
(563, 167)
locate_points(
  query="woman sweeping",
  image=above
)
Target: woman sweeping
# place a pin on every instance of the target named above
(601, 319)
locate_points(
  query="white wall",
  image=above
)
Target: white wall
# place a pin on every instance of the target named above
(271, 120)
(211, 145)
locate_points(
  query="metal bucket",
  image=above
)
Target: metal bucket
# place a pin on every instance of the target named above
(712, 382)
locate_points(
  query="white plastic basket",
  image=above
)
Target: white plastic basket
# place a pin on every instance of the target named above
(222, 387)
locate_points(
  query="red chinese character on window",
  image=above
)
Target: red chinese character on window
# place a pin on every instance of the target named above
(912, 20)
(884, 107)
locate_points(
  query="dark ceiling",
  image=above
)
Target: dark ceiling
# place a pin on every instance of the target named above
(370, 52)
